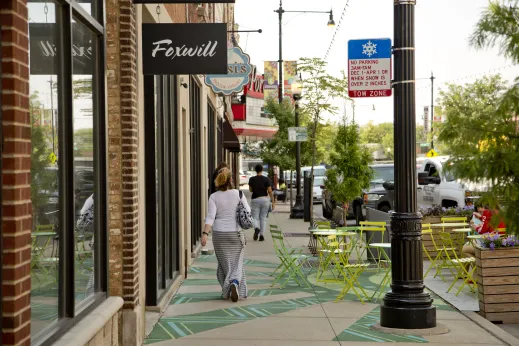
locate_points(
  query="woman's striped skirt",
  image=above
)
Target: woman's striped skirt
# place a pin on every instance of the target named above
(229, 248)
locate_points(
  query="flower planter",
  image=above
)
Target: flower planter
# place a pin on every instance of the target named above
(498, 284)
(426, 238)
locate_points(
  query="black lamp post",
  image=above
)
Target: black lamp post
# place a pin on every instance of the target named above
(407, 305)
(280, 12)
(297, 211)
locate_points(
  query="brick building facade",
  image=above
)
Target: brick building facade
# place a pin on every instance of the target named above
(35, 299)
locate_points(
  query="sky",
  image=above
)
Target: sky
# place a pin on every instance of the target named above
(443, 28)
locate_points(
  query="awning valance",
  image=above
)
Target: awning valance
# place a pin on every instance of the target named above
(230, 140)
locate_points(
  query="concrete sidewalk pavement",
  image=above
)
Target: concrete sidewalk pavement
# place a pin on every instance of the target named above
(295, 315)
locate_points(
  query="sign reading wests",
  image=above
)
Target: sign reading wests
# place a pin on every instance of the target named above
(184, 48)
(45, 50)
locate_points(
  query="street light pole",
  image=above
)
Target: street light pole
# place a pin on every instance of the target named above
(407, 305)
(280, 11)
(432, 110)
(297, 211)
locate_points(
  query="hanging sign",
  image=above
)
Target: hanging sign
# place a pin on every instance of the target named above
(238, 74)
(169, 49)
(44, 48)
(183, 1)
(369, 67)
(297, 134)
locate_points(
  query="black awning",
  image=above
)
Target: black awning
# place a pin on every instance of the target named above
(230, 140)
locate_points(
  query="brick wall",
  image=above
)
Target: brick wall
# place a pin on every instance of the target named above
(177, 13)
(16, 191)
(122, 150)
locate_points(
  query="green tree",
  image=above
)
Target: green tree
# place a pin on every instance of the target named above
(278, 151)
(319, 89)
(499, 134)
(350, 160)
(40, 158)
(84, 142)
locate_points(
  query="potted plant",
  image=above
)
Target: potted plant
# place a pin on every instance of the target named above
(497, 276)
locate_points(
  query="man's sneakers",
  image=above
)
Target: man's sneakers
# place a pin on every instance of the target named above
(256, 233)
(261, 238)
(234, 291)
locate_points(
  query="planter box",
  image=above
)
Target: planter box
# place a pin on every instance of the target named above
(426, 238)
(498, 284)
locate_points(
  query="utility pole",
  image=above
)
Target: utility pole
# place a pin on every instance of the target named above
(432, 110)
(280, 11)
(407, 305)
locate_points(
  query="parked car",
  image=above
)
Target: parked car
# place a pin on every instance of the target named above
(318, 189)
(244, 178)
(383, 172)
(436, 186)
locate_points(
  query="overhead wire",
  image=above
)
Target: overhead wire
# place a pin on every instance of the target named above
(468, 77)
(343, 14)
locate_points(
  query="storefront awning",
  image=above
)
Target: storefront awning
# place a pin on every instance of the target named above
(230, 140)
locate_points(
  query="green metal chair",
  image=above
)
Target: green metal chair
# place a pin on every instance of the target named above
(291, 262)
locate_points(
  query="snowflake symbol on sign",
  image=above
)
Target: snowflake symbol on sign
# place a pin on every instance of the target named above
(369, 49)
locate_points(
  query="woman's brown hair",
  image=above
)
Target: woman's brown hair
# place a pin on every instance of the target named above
(223, 181)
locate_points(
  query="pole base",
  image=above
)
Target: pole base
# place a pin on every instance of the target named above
(297, 212)
(408, 317)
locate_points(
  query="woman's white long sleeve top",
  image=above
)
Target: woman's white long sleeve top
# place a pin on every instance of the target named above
(221, 210)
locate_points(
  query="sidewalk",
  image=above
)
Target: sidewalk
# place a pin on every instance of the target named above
(295, 315)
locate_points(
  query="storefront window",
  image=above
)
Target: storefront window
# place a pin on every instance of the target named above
(68, 172)
(161, 146)
(196, 164)
(83, 90)
(43, 108)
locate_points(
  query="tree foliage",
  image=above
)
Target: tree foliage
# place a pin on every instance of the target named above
(40, 157)
(350, 160)
(482, 118)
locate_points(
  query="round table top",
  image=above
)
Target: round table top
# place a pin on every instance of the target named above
(42, 233)
(450, 224)
(381, 245)
(462, 230)
(348, 228)
(337, 233)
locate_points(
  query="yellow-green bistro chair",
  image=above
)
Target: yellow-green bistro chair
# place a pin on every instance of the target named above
(291, 263)
(374, 227)
(465, 266)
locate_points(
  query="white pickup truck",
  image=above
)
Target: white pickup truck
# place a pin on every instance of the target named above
(436, 186)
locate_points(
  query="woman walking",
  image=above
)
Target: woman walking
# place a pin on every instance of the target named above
(228, 238)
(261, 189)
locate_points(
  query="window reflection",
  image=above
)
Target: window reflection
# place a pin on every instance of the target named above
(43, 109)
(83, 49)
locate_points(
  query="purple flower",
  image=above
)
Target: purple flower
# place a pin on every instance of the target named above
(492, 246)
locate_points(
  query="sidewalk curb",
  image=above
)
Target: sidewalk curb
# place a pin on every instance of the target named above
(491, 328)
(497, 332)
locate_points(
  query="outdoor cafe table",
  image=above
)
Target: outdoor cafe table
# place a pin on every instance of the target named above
(313, 243)
(387, 278)
(459, 238)
(322, 236)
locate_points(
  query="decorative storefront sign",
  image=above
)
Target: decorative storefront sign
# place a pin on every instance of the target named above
(183, 1)
(238, 73)
(184, 48)
(369, 67)
(44, 40)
